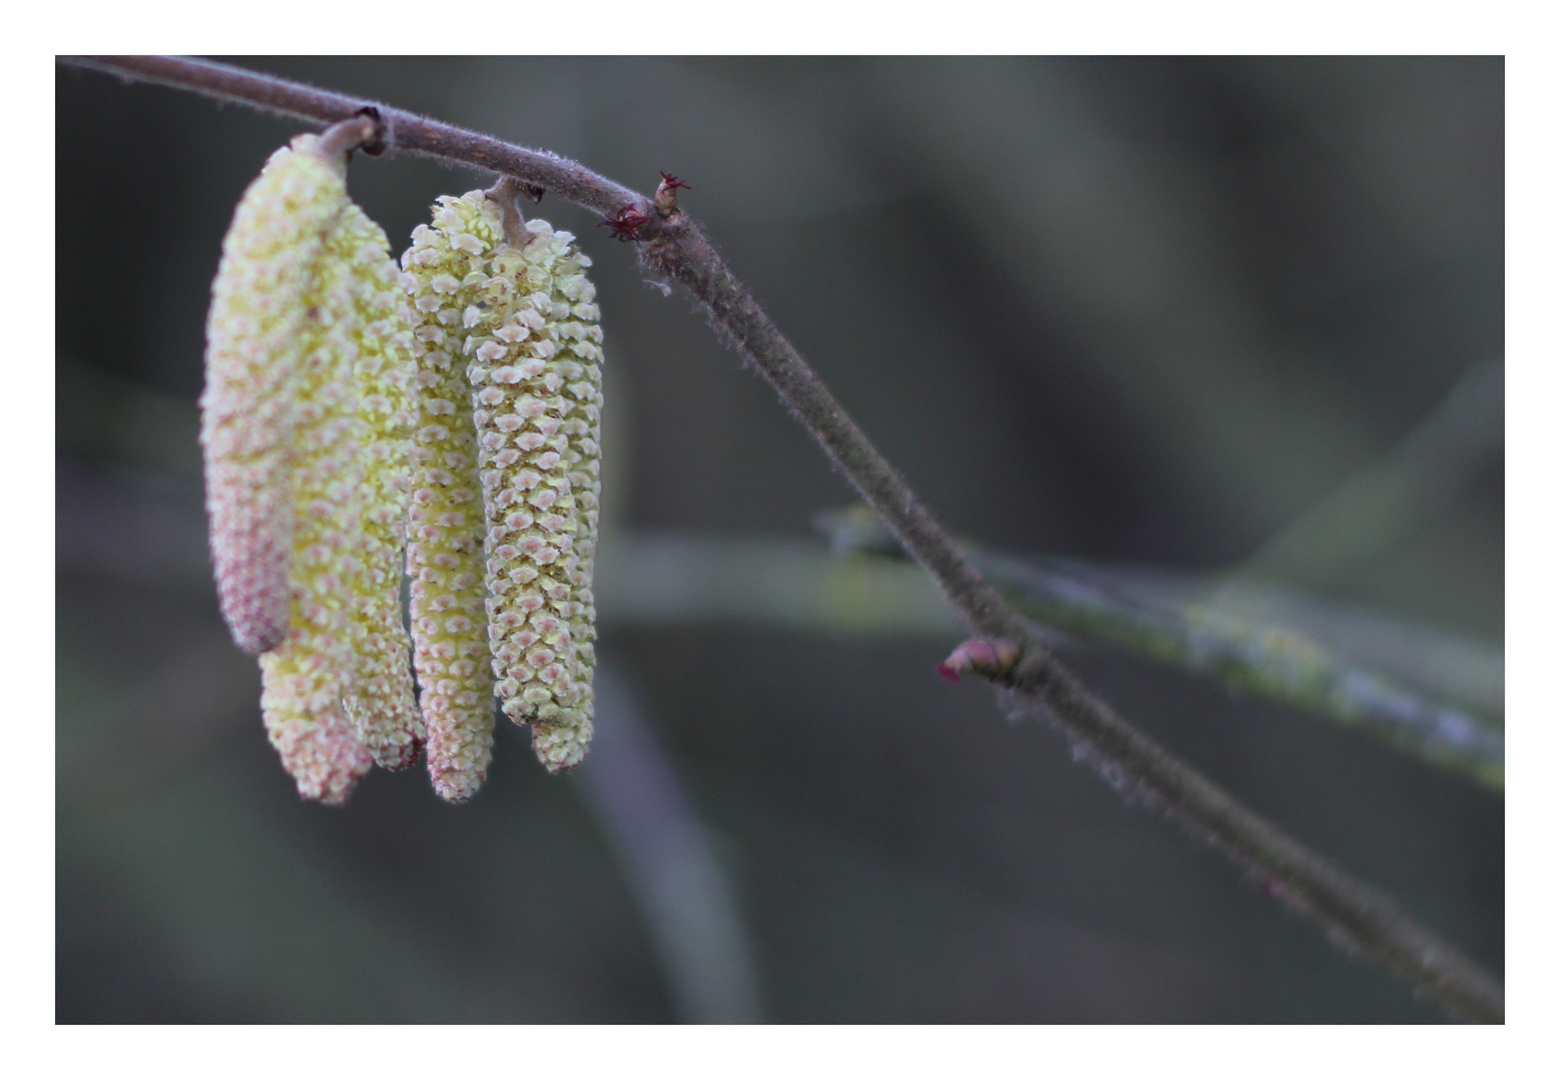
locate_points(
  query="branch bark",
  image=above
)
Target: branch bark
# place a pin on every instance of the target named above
(674, 247)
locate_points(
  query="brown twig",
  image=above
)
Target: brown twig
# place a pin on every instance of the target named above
(1038, 685)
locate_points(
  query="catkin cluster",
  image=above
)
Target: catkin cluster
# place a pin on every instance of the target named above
(505, 502)
(306, 418)
(448, 415)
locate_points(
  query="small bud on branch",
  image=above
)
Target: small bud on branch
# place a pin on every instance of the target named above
(666, 194)
(991, 657)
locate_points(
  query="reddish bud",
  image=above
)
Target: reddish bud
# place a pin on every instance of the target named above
(666, 194)
(991, 657)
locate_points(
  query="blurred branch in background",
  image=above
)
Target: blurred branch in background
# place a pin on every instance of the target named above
(632, 789)
(1439, 663)
(1239, 634)
(669, 579)
(149, 531)
(1443, 664)
(1428, 471)
(1269, 660)
(114, 420)
(1095, 603)
(105, 417)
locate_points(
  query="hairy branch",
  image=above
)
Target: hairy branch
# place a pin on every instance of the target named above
(674, 247)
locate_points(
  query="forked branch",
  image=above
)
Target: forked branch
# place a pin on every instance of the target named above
(672, 246)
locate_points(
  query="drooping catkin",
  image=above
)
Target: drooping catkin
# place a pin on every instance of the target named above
(381, 698)
(444, 276)
(536, 389)
(306, 677)
(248, 404)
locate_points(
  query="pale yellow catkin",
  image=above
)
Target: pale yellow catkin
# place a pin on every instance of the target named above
(444, 274)
(381, 697)
(253, 334)
(306, 677)
(536, 389)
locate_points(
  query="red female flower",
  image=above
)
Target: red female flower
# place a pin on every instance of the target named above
(626, 223)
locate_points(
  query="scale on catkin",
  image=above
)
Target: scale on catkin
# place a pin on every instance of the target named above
(305, 422)
(505, 503)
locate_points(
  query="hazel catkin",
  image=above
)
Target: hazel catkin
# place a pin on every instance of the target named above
(307, 422)
(536, 391)
(248, 405)
(307, 676)
(380, 697)
(444, 274)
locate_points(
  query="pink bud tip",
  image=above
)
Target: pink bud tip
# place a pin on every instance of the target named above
(993, 658)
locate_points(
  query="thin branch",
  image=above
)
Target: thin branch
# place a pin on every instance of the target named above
(675, 248)
(399, 131)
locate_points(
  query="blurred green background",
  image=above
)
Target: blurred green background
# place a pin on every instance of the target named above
(1155, 313)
